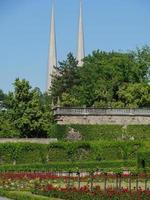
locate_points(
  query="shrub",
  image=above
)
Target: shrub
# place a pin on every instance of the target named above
(9, 134)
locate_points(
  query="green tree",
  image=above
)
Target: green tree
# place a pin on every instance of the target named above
(25, 110)
(135, 95)
(65, 78)
(101, 78)
(2, 100)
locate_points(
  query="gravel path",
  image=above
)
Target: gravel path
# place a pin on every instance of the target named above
(3, 198)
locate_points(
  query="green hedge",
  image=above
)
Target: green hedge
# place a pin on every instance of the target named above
(103, 132)
(69, 166)
(20, 153)
(102, 150)
(24, 196)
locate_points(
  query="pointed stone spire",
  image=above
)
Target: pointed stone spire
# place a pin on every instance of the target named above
(52, 57)
(80, 48)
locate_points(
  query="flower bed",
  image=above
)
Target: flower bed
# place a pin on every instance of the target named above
(30, 180)
(85, 194)
(76, 186)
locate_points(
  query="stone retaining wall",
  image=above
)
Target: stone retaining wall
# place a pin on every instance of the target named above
(28, 140)
(102, 116)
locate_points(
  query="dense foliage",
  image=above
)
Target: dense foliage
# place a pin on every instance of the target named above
(26, 112)
(107, 79)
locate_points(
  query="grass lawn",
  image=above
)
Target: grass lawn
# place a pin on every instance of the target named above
(24, 196)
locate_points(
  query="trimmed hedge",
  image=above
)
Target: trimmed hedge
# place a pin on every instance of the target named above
(103, 132)
(69, 166)
(20, 153)
(24, 196)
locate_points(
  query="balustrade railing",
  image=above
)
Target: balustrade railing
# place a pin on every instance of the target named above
(98, 111)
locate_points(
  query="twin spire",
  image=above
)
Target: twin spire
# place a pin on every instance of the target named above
(80, 47)
(52, 57)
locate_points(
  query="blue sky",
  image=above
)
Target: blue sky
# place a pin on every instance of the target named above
(25, 24)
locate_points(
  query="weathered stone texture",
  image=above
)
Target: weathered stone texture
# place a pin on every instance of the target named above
(124, 120)
(101, 116)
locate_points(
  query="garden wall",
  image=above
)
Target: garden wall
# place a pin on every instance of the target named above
(101, 116)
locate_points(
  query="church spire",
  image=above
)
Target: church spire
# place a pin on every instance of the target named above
(80, 47)
(52, 56)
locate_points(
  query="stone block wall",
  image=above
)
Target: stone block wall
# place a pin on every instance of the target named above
(102, 116)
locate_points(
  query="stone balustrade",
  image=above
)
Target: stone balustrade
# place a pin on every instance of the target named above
(99, 111)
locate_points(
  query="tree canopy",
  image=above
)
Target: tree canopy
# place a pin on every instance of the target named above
(100, 81)
(28, 110)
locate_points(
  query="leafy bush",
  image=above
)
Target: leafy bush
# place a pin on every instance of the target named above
(9, 134)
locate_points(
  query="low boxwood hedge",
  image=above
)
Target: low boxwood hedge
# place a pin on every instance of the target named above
(69, 166)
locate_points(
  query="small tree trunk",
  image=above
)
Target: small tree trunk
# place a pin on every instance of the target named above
(91, 181)
(120, 181)
(117, 181)
(130, 183)
(137, 182)
(14, 162)
(105, 182)
(69, 180)
(146, 184)
(78, 173)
